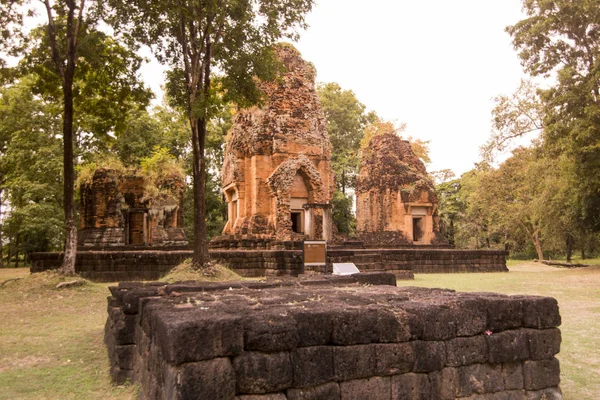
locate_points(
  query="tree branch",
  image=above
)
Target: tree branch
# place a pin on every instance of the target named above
(52, 37)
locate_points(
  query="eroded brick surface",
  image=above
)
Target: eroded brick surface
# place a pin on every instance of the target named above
(277, 161)
(396, 202)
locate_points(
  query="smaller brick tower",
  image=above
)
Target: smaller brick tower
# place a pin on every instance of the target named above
(396, 202)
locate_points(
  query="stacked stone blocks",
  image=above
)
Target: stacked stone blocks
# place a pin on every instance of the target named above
(123, 265)
(332, 338)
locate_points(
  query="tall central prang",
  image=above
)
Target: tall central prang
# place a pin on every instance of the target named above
(276, 175)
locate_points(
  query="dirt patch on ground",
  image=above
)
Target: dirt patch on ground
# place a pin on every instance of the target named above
(26, 362)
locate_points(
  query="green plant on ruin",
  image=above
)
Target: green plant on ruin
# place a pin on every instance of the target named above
(109, 162)
(162, 174)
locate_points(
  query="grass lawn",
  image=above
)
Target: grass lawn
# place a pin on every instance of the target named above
(51, 340)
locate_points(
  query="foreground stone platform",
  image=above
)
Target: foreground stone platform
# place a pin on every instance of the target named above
(123, 264)
(331, 338)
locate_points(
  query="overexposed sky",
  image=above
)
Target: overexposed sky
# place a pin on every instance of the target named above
(435, 65)
(432, 64)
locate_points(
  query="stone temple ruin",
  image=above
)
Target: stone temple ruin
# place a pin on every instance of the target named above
(278, 184)
(396, 202)
(116, 211)
(276, 175)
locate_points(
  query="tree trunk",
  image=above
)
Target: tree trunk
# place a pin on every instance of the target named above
(17, 252)
(538, 247)
(583, 252)
(1, 259)
(344, 181)
(569, 247)
(200, 257)
(70, 254)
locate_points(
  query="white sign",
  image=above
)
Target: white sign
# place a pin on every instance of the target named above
(344, 269)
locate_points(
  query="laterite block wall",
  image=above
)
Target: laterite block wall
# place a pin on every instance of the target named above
(332, 339)
(125, 265)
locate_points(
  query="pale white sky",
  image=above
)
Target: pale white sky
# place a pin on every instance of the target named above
(435, 65)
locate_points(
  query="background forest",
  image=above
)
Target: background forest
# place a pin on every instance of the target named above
(541, 200)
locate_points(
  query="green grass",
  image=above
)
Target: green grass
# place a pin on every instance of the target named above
(578, 295)
(51, 340)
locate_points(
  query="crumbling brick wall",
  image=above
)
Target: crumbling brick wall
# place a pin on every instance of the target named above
(333, 339)
(117, 212)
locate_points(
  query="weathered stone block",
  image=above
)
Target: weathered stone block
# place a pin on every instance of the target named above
(444, 384)
(507, 395)
(212, 379)
(480, 379)
(393, 326)
(328, 391)
(312, 366)
(503, 313)
(394, 358)
(124, 356)
(259, 373)
(314, 328)
(438, 321)
(354, 362)
(541, 374)
(272, 396)
(543, 344)
(131, 299)
(376, 388)
(508, 346)
(513, 376)
(354, 326)
(196, 335)
(410, 387)
(540, 312)
(270, 332)
(471, 316)
(545, 394)
(123, 328)
(466, 350)
(429, 356)
(375, 278)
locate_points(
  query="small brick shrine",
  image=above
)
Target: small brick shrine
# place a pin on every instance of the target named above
(396, 202)
(116, 211)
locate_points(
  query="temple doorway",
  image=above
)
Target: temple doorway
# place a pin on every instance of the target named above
(136, 228)
(418, 229)
(297, 223)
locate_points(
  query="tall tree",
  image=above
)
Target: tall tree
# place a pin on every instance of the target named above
(65, 21)
(516, 116)
(200, 38)
(562, 38)
(31, 167)
(67, 62)
(346, 121)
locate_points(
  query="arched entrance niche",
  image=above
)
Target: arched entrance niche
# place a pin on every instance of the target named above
(232, 198)
(300, 203)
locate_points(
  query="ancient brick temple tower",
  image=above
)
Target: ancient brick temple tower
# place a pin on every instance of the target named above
(117, 211)
(396, 202)
(276, 175)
